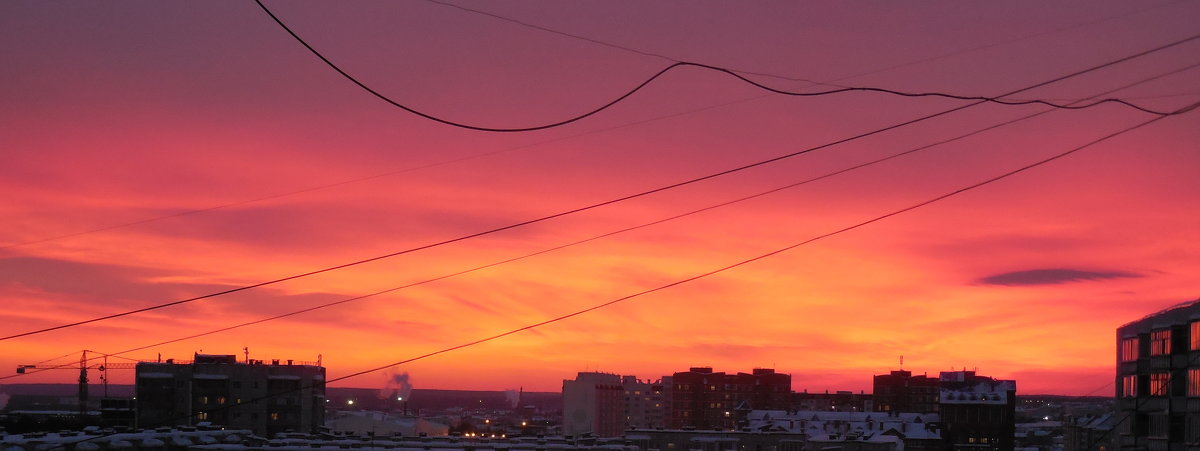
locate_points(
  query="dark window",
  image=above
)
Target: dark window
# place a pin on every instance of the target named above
(1159, 423)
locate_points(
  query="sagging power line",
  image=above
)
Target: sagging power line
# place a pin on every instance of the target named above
(599, 204)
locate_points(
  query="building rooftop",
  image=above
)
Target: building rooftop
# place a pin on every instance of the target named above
(842, 424)
(1180, 305)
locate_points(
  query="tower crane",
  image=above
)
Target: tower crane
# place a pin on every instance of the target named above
(103, 366)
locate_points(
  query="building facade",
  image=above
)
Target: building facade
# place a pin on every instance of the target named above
(594, 403)
(838, 401)
(606, 405)
(900, 391)
(703, 399)
(1158, 381)
(977, 412)
(263, 397)
(646, 402)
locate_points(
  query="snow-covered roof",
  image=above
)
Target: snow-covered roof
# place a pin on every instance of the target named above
(823, 423)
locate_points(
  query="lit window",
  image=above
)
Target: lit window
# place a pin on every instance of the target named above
(202, 416)
(1160, 342)
(1193, 382)
(1129, 349)
(1195, 335)
(274, 415)
(1129, 386)
(1159, 383)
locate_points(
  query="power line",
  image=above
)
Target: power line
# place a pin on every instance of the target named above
(786, 248)
(703, 274)
(382, 174)
(660, 73)
(629, 49)
(623, 230)
(599, 204)
(792, 78)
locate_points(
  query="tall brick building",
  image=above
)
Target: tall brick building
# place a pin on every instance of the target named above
(900, 391)
(704, 399)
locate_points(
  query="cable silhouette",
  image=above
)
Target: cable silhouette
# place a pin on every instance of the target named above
(599, 204)
(682, 64)
(382, 174)
(623, 230)
(701, 275)
(629, 49)
(1136, 404)
(792, 78)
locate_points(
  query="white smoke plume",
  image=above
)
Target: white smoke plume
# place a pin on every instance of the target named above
(513, 398)
(398, 385)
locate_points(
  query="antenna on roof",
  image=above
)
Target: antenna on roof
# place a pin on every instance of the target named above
(901, 363)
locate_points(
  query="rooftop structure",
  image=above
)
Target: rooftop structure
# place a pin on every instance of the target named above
(263, 397)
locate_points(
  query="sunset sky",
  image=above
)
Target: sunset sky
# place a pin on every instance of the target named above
(120, 120)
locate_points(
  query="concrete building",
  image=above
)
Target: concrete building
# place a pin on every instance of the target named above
(605, 405)
(900, 391)
(838, 401)
(977, 412)
(1158, 380)
(263, 397)
(703, 399)
(646, 402)
(594, 403)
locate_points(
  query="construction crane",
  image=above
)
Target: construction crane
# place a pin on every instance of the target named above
(103, 366)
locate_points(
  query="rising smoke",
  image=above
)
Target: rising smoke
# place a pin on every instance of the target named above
(398, 385)
(513, 397)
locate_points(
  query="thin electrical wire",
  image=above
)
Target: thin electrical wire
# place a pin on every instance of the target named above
(794, 78)
(69, 354)
(1136, 404)
(759, 257)
(385, 174)
(630, 49)
(700, 275)
(635, 227)
(595, 205)
(662, 72)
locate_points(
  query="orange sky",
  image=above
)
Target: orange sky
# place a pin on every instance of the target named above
(117, 112)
